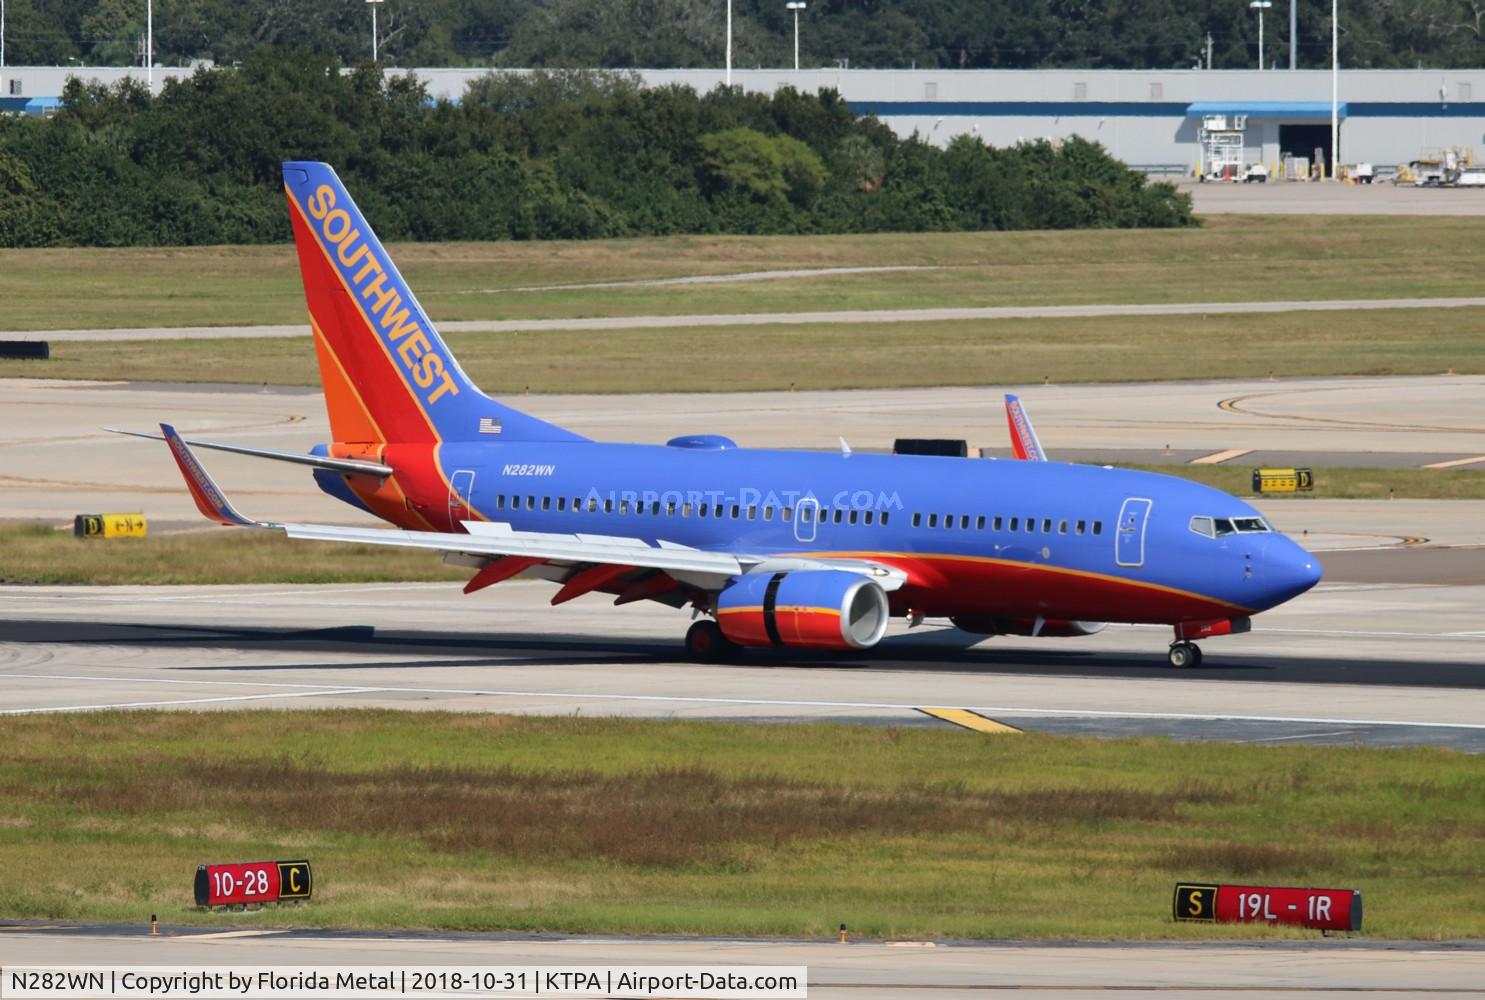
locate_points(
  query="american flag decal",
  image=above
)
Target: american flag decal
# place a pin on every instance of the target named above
(489, 425)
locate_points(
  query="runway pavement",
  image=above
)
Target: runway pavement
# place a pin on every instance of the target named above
(856, 317)
(1350, 663)
(55, 459)
(858, 970)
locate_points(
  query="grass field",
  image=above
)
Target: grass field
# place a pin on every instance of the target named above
(840, 356)
(43, 555)
(1344, 483)
(600, 825)
(1230, 258)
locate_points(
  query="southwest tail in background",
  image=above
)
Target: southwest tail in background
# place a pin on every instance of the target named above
(388, 375)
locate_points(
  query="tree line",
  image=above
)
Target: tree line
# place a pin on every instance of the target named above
(615, 34)
(548, 155)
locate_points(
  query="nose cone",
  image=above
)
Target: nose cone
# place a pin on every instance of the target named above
(1288, 571)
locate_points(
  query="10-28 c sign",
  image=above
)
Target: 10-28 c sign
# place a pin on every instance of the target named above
(252, 882)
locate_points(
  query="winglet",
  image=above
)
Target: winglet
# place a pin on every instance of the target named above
(1024, 444)
(209, 500)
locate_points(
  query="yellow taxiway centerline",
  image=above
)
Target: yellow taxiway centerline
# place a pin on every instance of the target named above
(969, 720)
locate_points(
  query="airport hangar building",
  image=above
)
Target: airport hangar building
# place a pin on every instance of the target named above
(1147, 118)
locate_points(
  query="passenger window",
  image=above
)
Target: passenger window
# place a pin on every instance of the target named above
(593, 505)
(1062, 527)
(670, 508)
(546, 503)
(1015, 524)
(840, 515)
(767, 513)
(1046, 525)
(805, 514)
(917, 520)
(623, 506)
(500, 501)
(1082, 527)
(851, 517)
(1098, 527)
(736, 512)
(997, 523)
(531, 503)
(963, 522)
(884, 518)
(1203, 526)
(561, 504)
(866, 516)
(686, 510)
(980, 523)
(701, 511)
(1030, 525)
(786, 514)
(654, 508)
(608, 506)
(752, 512)
(933, 520)
(948, 520)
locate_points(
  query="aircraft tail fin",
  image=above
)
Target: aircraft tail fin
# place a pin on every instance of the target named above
(388, 375)
(1024, 443)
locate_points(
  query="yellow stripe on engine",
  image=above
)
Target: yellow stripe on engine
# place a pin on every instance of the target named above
(966, 719)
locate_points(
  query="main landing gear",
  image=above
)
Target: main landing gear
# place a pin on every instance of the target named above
(705, 643)
(1184, 654)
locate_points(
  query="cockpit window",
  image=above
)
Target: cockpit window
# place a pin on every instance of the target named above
(1220, 527)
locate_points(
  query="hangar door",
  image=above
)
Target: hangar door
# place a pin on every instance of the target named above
(1302, 139)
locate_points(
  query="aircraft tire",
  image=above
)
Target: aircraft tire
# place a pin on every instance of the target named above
(705, 643)
(1184, 654)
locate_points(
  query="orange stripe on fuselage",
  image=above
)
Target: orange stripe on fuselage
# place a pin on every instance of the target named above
(947, 584)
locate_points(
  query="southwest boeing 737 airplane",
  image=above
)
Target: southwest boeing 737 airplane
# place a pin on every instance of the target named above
(786, 549)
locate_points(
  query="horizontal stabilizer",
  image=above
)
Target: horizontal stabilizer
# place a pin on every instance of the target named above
(350, 465)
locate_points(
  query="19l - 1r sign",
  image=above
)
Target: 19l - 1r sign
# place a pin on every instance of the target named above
(1318, 909)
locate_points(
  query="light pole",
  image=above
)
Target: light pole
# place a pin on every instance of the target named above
(1335, 86)
(1293, 34)
(2, 48)
(1260, 6)
(729, 44)
(149, 42)
(796, 6)
(373, 4)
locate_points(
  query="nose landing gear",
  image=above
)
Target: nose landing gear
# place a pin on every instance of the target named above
(1184, 654)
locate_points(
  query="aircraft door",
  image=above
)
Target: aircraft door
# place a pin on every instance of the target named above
(806, 517)
(1129, 539)
(461, 492)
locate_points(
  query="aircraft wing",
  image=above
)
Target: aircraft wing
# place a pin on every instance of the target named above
(1024, 444)
(698, 568)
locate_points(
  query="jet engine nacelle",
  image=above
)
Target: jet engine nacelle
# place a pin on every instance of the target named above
(1051, 627)
(812, 609)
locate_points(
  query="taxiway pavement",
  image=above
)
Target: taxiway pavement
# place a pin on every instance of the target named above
(1378, 664)
(56, 461)
(859, 971)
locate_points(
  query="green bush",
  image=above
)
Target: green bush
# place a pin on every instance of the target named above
(545, 155)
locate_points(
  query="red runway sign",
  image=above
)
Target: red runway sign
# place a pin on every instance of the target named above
(1318, 909)
(252, 882)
